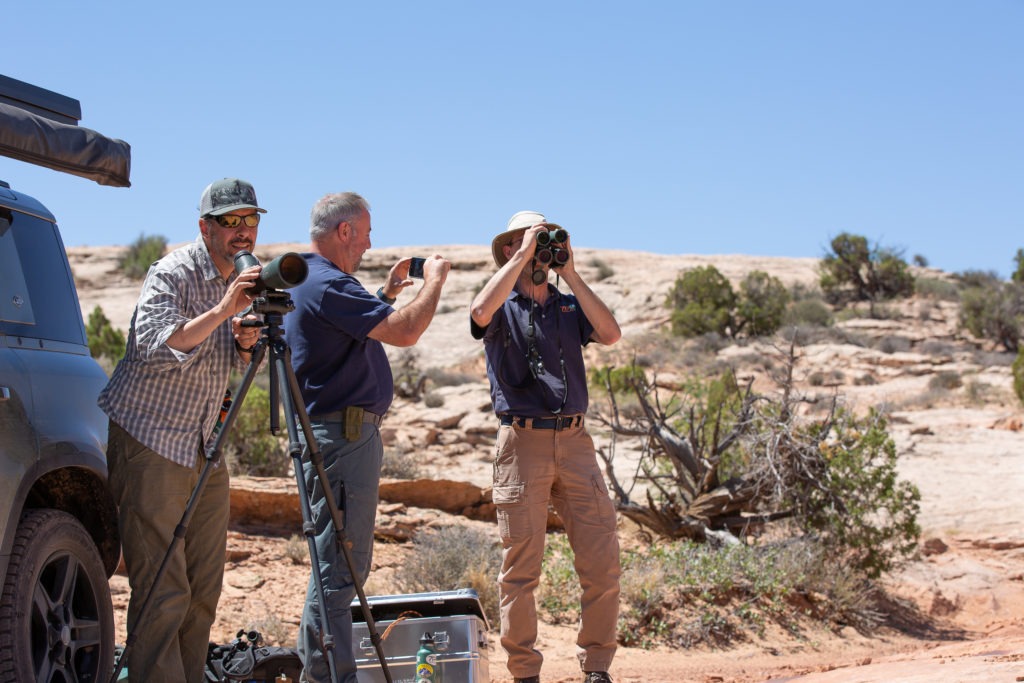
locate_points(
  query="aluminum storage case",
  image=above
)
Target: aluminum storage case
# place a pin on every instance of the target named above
(454, 618)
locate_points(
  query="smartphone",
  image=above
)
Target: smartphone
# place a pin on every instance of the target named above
(416, 267)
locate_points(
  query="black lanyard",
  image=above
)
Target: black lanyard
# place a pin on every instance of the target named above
(535, 362)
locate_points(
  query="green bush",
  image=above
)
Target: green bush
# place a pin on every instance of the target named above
(978, 278)
(104, 340)
(1018, 272)
(682, 594)
(249, 448)
(934, 288)
(858, 504)
(141, 254)
(702, 301)
(762, 303)
(857, 271)
(832, 478)
(1018, 375)
(620, 379)
(892, 277)
(994, 311)
(812, 312)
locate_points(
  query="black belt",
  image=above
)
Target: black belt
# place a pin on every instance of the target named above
(556, 423)
(339, 416)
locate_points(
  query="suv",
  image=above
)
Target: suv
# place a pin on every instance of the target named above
(60, 542)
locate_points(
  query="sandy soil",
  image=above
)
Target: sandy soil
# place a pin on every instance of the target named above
(962, 449)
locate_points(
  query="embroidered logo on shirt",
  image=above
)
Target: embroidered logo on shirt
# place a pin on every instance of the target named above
(568, 308)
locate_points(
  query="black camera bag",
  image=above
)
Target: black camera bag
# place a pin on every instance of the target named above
(263, 664)
(246, 659)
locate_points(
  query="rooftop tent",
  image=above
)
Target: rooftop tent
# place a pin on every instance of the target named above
(41, 127)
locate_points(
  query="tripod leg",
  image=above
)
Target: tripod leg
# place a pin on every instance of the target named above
(291, 389)
(212, 459)
(308, 526)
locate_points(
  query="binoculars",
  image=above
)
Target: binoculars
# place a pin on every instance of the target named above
(286, 271)
(551, 249)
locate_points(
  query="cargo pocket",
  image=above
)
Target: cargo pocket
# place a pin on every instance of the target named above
(513, 513)
(604, 507)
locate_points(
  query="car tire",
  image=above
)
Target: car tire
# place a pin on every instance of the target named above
(56, 618)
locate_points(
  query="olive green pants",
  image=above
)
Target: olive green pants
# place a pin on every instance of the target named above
(172, 639)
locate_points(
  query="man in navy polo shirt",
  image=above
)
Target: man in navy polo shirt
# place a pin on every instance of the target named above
(533, 338)
(337, 334)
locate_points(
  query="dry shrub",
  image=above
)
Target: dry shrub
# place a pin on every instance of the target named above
(296, 549)
(399, 464)
(269, 625)
(450, 558)
(893, 343)
(947, 379)
(936, 347)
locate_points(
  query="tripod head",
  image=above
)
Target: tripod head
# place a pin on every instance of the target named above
(273, 302)
(272, 305)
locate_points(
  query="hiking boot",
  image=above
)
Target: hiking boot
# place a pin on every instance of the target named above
(529, 679)
(596, 677)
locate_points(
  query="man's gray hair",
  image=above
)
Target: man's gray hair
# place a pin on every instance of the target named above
(331, 210)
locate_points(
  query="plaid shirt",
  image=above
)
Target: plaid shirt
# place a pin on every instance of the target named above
(169, 400)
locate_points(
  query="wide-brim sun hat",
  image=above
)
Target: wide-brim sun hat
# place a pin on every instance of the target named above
(517, 225)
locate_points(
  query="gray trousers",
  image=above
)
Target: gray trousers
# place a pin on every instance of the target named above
(151, 494)
(356, 464)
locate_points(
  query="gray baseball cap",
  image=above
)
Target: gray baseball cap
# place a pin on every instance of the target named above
(227, 194)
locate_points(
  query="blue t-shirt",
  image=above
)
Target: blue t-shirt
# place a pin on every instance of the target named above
(337, 365)
(560, 331)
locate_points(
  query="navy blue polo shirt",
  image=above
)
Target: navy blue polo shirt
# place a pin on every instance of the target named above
(337, 365)
(561, 330)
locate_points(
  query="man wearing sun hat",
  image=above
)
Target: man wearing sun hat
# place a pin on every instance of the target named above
(163, 401)
(533, 336)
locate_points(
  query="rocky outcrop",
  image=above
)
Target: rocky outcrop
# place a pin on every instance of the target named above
(272, 503)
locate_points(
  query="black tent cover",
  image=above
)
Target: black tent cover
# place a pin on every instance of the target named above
(72, 149)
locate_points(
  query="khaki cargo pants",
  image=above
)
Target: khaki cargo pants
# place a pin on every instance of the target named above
(532, 468)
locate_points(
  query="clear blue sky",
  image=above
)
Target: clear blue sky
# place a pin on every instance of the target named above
(749, 127)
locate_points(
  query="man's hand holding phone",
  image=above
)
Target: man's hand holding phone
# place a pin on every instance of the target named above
(416, 267)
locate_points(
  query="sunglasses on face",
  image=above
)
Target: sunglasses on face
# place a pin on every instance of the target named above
(232, 221)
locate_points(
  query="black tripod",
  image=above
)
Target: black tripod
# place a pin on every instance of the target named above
(273, 304)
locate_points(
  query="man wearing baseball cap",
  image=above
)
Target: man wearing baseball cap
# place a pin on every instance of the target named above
(533, 337)
(163, 402)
